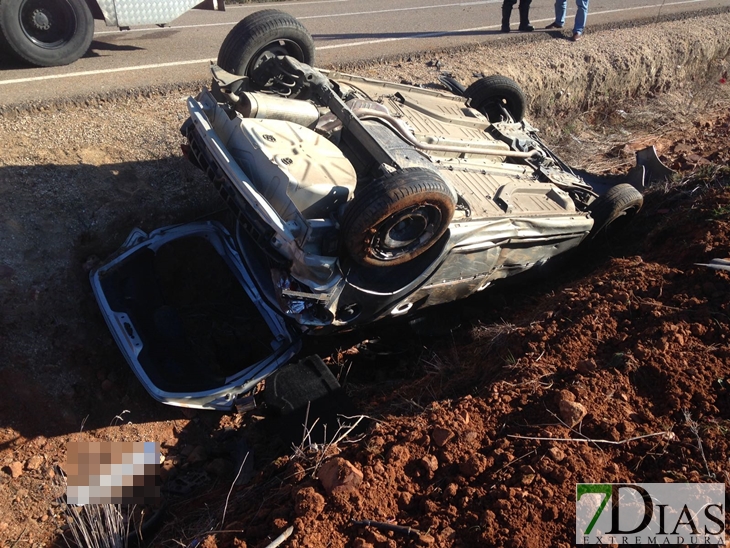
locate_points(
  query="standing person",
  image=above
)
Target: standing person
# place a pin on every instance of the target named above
(525, 25)
(580, 17)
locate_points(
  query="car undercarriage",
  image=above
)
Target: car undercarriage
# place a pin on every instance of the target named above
(355, 200)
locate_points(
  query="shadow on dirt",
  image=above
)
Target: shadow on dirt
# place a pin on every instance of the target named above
(402, 35)
(61, 362)
(66, 373)
(59, 359)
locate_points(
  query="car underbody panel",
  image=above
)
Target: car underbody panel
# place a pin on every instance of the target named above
(508, 217)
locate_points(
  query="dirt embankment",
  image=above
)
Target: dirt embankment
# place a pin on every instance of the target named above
(566, 79)
(630, 338)
(684, 57)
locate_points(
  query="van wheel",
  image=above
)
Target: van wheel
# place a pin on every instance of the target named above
(260, 36)
(613, 211)
(493, 95)
(46, 33)
(397, 217)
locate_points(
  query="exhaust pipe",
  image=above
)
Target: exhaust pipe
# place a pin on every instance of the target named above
(273, 107)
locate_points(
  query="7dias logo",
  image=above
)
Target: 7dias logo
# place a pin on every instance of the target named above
(650, 513)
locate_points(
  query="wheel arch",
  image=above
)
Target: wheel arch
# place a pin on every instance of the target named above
(95, 9)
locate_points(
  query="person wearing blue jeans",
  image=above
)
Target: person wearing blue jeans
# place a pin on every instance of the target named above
(581, 15)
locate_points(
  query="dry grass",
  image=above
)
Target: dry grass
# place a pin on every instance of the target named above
(495, 334)
(98, 526)
(593, 137)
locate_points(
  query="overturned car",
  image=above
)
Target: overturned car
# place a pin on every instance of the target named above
(355, 200)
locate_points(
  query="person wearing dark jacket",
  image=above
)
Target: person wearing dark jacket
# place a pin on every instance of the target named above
(524, 8)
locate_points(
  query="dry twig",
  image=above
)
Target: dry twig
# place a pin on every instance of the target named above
(322, 450)
(668, 435)
(281, 538)
(402, 529)
(695, 429)
(225, 508)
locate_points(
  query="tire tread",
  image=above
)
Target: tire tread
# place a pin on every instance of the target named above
(262, 25)
(611, 205)
(374, 202)
(13, 39)
(483, 91)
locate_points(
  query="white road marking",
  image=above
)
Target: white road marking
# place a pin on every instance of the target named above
(249, 6)
(451, 32)
(333, 46)
(304, 17)
(104, 71)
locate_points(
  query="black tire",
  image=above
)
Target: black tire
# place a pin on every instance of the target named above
(491, 94)
(397, 217)
(613, 210)
(47, 33)
(261, 35)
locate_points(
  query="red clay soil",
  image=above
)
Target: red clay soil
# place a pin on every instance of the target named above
(631, 339)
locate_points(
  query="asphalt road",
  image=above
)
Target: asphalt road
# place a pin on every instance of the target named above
(343, 30)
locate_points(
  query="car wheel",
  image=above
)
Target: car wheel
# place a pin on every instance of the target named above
(493, 95)
(47, 33)
(397, 217)
(612, 211)
(261, 36)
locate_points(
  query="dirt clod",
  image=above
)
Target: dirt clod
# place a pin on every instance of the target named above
(219, 467)
(572, 412)
(34, 463)
(339, 476)
(399, 455)
(556, 454)
(473, 465)
(16, 469)
(308, 502)
(196, 454)
(442, 436)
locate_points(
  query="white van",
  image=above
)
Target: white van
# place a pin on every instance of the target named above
(49, 33)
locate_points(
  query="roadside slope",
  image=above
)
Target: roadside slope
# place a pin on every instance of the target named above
(73, 182)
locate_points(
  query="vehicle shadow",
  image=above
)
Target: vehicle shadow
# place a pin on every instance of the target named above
(486, 31)
(9, 62)
(99, 46)
(96, 49)
(60, 361)
(63, 377)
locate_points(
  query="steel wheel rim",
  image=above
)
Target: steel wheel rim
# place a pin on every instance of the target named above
(405, 232)
(271, 50)
(49, 24)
